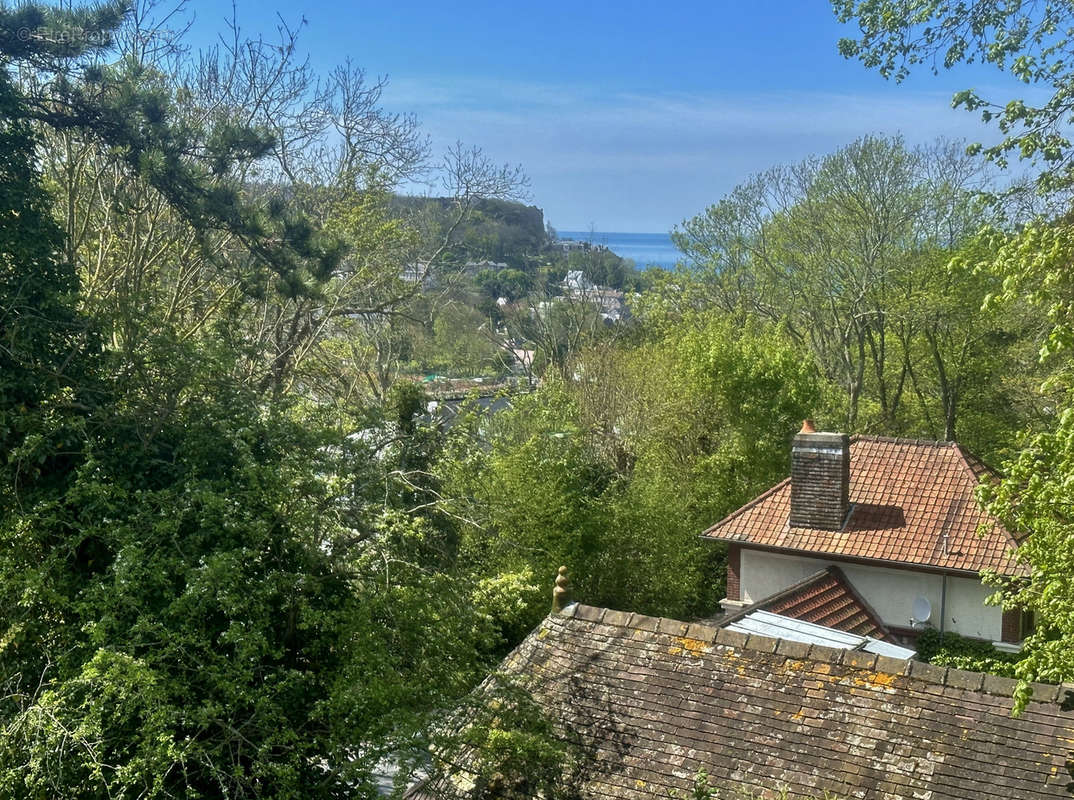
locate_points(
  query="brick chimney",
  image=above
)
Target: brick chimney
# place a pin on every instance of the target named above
(820, 479)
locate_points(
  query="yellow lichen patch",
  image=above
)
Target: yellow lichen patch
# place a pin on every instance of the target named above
(822, 669)
(877, 680)
(882, 679)
(639, 784)
(674, 651)
(794, 666)
(695, 647)
(797, 715)
(543, 633)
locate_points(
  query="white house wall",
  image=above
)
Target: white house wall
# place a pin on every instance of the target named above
(890, 592)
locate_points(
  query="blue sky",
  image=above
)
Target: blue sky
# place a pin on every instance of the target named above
(626, 116)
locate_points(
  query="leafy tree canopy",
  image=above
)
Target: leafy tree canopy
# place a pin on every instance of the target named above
(1029, 40)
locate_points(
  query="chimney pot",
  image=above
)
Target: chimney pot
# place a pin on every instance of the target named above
(808, 426)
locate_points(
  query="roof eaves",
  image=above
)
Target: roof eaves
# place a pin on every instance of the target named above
(853, 559)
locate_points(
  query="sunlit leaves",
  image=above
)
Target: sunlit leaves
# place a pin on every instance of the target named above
(1031, 41)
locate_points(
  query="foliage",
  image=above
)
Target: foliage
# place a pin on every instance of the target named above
(209, 588)
(951, 650)
(43, 340)
(1031, 41)
(511, 747)
(616, 472)
(851, 255)
(235, 627)
(529, 493)
(460, 343)
(1034, 501)
(602, 267)
(1030, 266)
(497, 229)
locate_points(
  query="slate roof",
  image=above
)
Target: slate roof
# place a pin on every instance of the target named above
(654, 701)
(912, 503)
(825, 598)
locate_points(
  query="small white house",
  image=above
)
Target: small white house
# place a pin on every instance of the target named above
(576, 281)
(898, 521)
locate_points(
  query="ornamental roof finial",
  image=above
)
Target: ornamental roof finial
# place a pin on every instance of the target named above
(561, 595)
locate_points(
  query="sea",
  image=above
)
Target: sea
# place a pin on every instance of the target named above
(644, 249)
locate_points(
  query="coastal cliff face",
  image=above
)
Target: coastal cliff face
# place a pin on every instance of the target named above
(499, 230)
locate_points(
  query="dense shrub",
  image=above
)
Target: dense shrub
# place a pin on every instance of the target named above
(952, 650)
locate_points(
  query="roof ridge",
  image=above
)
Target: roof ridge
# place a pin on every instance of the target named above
(964, 460)
(966, 456)
(856, 659)
(969, 455)
(872, 437)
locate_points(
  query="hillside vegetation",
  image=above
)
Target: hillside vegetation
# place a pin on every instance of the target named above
(240, 557)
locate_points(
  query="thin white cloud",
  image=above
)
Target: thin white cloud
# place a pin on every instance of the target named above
(636, 161)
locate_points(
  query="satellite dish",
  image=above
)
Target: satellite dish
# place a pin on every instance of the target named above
(922, 612)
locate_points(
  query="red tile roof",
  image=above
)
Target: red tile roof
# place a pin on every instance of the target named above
(826, 598)
(912, 503)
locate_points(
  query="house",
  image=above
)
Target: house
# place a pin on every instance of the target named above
(644, 707)
(576, 282)
(570, 245)
(896, 518)
(473, 268)
(420, 272)
(609, 302)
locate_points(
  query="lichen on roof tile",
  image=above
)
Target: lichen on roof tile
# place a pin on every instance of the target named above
(648, 715)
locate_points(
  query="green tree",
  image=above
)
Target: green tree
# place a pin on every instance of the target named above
(461, 343)
(616, 471)
(1030, 41)
(41, 334)
(1030, 266)
(206, 590)
(849, 255)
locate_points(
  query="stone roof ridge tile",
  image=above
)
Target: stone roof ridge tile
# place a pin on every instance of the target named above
(977, 682)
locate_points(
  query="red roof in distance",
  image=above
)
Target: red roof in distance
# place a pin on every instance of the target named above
(912, 503)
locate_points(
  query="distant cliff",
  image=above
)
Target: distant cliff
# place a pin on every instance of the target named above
(496, 230)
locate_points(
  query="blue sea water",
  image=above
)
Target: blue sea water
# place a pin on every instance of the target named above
(645, 249)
